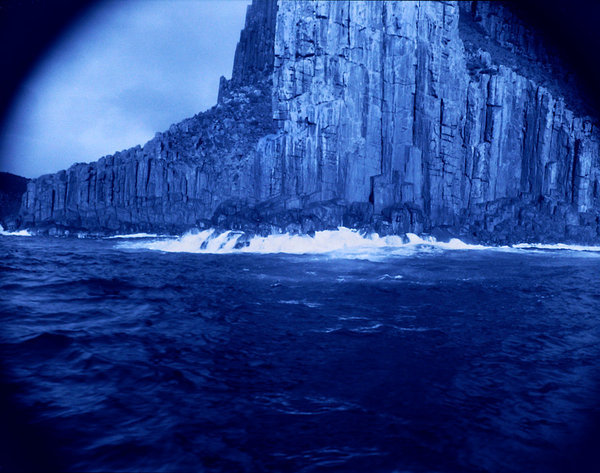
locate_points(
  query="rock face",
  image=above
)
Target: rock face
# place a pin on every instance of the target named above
(12, 188)
(449, 117)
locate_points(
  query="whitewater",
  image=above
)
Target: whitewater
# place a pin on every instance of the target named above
(17, 233)
(342, 243)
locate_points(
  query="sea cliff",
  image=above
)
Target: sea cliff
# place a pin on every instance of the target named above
(12, 188)
(451, 118)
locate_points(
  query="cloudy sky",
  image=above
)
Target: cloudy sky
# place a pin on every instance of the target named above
(124, 72)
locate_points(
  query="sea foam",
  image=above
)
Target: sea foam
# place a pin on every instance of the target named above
(135, 235)
(19, 233)
(557, 246)
(342, 242)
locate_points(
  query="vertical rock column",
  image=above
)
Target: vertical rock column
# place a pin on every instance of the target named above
(370, 102)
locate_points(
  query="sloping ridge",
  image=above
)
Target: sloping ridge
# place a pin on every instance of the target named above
(393, 117)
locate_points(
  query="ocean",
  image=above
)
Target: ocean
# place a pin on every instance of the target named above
(337, 352)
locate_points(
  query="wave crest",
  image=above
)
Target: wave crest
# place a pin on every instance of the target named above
(19, 233)
(343, 242)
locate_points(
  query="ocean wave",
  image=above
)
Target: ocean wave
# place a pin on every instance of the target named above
(136, 235)
(18, 233)
(343, 243)
(556, 246)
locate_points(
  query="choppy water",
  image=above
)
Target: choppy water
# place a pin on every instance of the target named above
(120, 358)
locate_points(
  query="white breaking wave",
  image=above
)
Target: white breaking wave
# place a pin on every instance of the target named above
(135, 235)
(557, 246)
(342, 242)
(19, 233)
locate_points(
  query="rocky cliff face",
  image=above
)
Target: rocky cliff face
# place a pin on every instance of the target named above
(12, 188)
(392, 116)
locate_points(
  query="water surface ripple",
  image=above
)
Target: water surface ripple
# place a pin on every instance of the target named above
(132, 360)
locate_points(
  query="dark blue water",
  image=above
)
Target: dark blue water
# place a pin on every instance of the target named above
(132, 360)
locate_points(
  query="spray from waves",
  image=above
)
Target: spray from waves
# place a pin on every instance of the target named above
(135, 235)
(342, 242)
(19, 233)
(557, 246)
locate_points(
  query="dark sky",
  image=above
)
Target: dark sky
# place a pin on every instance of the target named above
(573, 27)
(83, 78)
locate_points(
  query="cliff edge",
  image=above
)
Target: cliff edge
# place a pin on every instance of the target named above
(428, 117)
(12, 188)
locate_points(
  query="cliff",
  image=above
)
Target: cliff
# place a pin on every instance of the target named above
(12, 188)
(448, 117)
